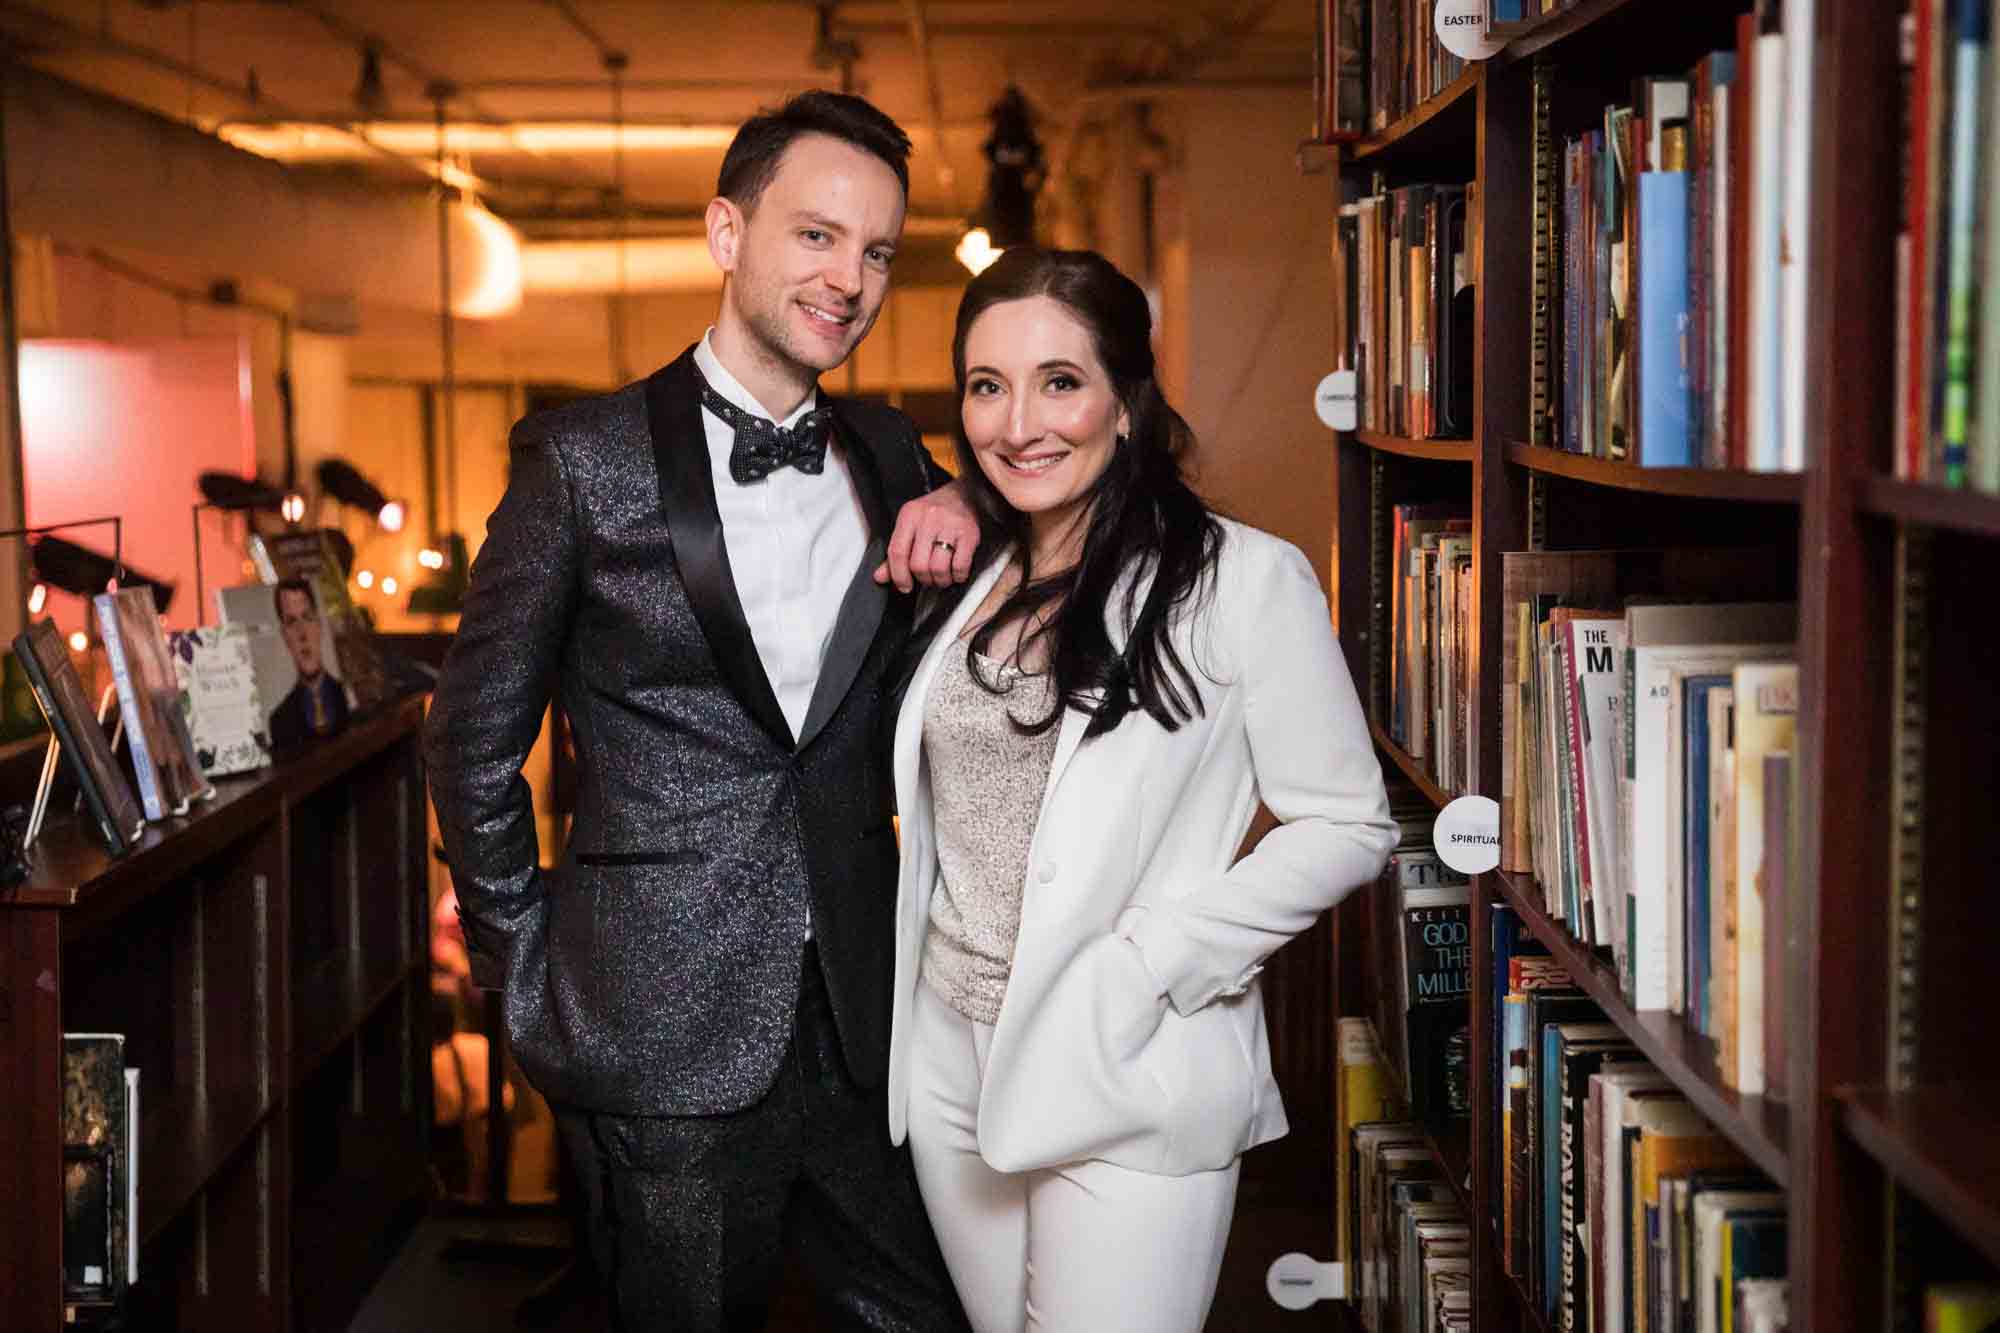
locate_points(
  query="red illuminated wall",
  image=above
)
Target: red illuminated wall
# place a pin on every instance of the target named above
(124, 428)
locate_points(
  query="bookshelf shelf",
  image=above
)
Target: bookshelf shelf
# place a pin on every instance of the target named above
(1932, 506)
(1411, 767)
(1757, 1125)
(1887, 662)
(1437, 451)
(1940, 1143)
(1692, 482)
(1608, 21)
(1443, 121)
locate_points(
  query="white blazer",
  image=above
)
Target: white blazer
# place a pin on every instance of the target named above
(1132, 1030)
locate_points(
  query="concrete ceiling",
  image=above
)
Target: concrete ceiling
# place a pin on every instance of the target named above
(244, 67)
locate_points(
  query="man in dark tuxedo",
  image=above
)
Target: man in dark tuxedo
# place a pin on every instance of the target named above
(698, 565)
(317, 704)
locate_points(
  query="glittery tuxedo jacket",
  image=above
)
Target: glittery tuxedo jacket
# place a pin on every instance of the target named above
(655, 969)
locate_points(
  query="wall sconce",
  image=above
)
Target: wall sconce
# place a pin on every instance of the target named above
(344, 482)
(1014, 176)
(60, 563)
(249, 496)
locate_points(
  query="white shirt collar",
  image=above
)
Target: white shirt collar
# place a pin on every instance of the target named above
(732, 390)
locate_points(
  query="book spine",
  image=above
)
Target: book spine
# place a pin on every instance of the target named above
(1664, 426)
(1968, 64)
(1983, 445)
(1542, 260)
(1766, 433)
(143, 767)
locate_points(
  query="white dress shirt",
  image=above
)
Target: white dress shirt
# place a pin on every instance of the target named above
(794, 542)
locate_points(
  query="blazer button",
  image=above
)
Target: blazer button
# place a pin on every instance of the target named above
(1047, 873)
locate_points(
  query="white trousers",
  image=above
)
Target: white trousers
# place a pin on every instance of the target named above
(1084, 1248)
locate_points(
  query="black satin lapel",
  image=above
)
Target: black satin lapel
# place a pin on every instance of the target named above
(861, 610)
(694, 527)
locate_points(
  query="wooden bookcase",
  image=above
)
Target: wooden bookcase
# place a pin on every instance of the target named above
(266, 959)
(1884, 1138)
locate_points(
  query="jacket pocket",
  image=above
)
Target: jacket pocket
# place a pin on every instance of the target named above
(681, 856)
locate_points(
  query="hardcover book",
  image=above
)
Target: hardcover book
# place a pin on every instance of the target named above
(300, 675)
(99, 1178)
(306, 555)
(154, 704)
(228, 722)
(111, 807)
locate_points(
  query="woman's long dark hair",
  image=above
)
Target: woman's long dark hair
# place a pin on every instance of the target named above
(1143, 517)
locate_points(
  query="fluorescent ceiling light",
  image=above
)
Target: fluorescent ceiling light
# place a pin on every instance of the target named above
(654, 263)
(292, 141)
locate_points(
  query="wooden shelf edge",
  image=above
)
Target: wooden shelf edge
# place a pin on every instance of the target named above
(1931, 506)
(1697, 483)
(1440, 451)
(1411, 767)
(1526, 37)
(1383, 143)
(1757, 1125)
(1940, 1143)
(69, 870)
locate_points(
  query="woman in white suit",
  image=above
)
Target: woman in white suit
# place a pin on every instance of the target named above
(1079, 1057)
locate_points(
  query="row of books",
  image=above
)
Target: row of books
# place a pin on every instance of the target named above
(1621, 1207)
(1412, 1261)
(1403, 305)
(289, 663)
(1947, 389)
(1520, 11)
(1405, 63)
(1667, 266)
(1645, 755)
(1426, 701)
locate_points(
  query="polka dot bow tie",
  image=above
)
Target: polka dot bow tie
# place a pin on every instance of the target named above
(763, 446)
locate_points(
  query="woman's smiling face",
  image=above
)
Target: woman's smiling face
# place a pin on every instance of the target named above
(1039, 410)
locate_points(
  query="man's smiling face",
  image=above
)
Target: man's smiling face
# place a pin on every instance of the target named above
(810, 264)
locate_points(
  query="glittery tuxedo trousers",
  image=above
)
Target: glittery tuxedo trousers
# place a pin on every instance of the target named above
(690, 1217)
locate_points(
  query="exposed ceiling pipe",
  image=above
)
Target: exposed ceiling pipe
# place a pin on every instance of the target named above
(759, 86)
(146, 55)
(576, 20)
(364, 40)
(920, 34)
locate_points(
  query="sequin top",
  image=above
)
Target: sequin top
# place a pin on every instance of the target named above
(986, 783)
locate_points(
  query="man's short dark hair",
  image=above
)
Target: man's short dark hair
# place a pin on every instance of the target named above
(294, 584)
(753, 156)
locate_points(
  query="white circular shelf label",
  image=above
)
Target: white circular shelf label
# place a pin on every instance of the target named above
(1467, 835)
(1461, 29)
(1299, 1281)
(1334, 400)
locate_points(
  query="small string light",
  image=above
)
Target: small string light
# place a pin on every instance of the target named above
(366, 578)
(38, 599)
(388, 587)
(78, 642)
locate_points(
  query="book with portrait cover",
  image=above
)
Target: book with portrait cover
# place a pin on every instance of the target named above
(111, 807)
(296, 663)
(306, 554)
